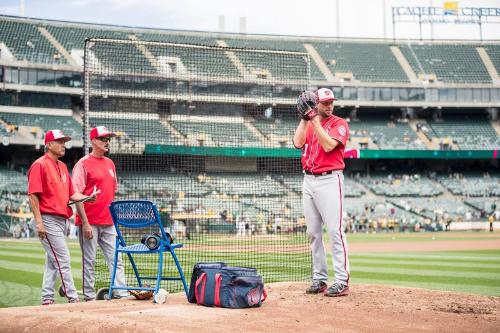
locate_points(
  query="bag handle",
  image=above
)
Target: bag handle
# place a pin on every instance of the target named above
(218, 280)
(201, 280)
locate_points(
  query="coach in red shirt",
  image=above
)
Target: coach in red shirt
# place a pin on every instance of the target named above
(96, 173)
(49, 191)
(322, 136)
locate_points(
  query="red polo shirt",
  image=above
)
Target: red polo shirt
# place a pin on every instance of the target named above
(314, 157)
(100, 172)
(50, 180)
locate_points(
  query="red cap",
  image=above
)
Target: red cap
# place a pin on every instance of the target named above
(100, 132)
(324, 95)
(55, 134)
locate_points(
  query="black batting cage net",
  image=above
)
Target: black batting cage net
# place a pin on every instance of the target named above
(205, 133)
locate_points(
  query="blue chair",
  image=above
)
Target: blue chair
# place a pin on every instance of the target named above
(133, 219)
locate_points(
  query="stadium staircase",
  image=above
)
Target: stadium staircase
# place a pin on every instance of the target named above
(319, 62)
(488, 64)
(233, 58)
(257, 133)
(428, 143)
(57, 45)
(147, 54)
(412, 211)
(76, 116)
(164, 121)
(369, 194)
(404, 64)
(496, 126)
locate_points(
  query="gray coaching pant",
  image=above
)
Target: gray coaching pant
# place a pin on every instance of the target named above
(57, 259)
(322, 199)
(105, 236)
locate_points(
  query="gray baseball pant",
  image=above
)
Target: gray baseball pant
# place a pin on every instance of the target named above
(105, 236)
(57, 259)
(322, 199)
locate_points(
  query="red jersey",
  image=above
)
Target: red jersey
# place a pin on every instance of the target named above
(51, 181)
(314, 157)
(100, 172)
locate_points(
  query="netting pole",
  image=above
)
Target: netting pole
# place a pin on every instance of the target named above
(86, 97)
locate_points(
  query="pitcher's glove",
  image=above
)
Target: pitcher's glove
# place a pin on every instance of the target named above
(142, 294)
(307, 105)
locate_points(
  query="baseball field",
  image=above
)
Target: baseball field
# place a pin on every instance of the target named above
(447, 281)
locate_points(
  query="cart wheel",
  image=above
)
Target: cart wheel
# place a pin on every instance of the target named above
(61, 291)
(102, 294)
(160, 297)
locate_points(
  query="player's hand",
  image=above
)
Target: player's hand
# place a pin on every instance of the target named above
(307, 105)
(315, 119)
(40, 230)
(87, 231)
(93, 196)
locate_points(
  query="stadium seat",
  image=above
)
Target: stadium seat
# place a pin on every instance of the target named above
(370, 62)
(274, 44)
(471, 132)
(147, 130)
(449, 62)
(494, 54)
(72, 36)
(26, 43)
(472, 185)
(386, 134)
(44, 122)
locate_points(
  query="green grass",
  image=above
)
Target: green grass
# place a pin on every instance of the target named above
(477, 271)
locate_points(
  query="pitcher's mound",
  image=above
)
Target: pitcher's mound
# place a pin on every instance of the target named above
(368, 308)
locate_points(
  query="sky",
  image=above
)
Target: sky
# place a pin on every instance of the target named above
(356, 18)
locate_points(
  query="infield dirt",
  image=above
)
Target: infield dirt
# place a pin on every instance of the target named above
(369, 308)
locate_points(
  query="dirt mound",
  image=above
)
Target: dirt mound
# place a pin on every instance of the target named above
(368, 308)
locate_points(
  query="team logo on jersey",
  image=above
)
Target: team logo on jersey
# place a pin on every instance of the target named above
(111, 173)
(341, 130)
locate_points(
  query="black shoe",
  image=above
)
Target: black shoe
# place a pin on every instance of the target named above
(338, 289)
(316, 287)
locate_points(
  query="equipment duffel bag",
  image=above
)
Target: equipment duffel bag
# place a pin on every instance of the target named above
(215, 284)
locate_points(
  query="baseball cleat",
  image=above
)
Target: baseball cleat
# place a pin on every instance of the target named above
(316, 287)
(337, 289)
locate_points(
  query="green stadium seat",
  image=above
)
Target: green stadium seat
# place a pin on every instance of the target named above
(26, 43)
(287, 68)
(467, 132)
(385, 133)
(70, 126)
(72, 37)
(140, 130)
(451, 63)
(401, 185)
(368, 62)
(494, 54)
(472, 185)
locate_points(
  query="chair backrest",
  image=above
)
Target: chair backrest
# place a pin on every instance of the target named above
(134, 219)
